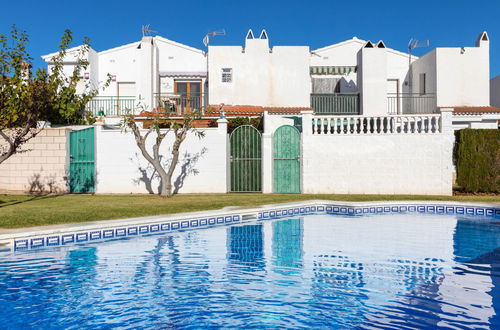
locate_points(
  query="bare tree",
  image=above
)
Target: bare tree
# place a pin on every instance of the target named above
(162, 126)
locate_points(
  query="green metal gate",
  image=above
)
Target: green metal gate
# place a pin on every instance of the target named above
(81, 166)
(286, 154)
(246, 159)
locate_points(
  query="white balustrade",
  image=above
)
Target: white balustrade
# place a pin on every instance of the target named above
(362, 125)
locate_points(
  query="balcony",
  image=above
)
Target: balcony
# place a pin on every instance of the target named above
(111, 105)
(335, 104)
(177, 103)
(406, 104)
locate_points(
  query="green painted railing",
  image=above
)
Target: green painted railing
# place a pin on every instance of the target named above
(335, 104)
(111, 105)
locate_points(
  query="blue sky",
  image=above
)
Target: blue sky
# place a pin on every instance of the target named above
(315, 23)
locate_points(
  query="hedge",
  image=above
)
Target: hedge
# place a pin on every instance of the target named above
(477, 156)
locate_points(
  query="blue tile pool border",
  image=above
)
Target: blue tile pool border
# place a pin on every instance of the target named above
(268, 213)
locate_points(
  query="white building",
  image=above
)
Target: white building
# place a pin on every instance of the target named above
(142, 74)
(354, 77)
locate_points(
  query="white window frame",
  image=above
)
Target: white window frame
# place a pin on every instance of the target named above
(227, 75)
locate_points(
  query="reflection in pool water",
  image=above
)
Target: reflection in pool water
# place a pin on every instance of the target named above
(320, 270)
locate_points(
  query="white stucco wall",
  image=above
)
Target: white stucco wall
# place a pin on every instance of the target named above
(378, 164)
(261, 76)
(458, 76)
(427, 65)
(372, 78)
(463, 76)
(495, 92)
(121, 168)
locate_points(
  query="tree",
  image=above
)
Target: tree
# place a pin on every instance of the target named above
(27, 98)
(161, 125)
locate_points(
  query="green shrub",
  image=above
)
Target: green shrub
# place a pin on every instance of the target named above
(477, 156)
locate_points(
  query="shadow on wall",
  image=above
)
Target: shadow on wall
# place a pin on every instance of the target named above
(47, 185)
(148, 174)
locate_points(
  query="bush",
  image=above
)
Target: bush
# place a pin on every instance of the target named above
(477, 155)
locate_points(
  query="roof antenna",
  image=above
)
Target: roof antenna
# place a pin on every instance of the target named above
(206, 39)
(412, 44)
(146, 31)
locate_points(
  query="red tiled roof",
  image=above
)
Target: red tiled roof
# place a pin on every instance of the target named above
(235, 110)
(474, 110)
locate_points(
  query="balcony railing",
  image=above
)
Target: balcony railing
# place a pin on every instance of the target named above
(111, 105)
(406, 104)
(179, 103)
(335, 104)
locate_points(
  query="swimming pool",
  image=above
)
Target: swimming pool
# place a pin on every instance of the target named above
(400, 269)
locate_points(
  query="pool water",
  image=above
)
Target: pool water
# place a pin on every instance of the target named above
(386, 270)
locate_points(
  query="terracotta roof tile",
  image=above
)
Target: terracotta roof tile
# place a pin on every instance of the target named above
(231, 110)
(475, 110)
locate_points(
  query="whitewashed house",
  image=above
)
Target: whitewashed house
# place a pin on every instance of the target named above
(147, 73)
(355, 77)
(352, 117)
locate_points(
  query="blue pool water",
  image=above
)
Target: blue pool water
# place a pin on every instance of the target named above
(386, 270)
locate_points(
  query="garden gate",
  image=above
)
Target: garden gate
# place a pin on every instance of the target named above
(246, 159)
(81, 163)
(286, 154)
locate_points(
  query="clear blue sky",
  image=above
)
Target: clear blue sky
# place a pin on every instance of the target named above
(314, 23)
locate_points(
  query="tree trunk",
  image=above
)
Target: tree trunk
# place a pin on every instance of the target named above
(167, 183)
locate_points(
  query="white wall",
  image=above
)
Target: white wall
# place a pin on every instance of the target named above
(463, 78)
(427, 65)
(495, 92)
(386, 164)
(121, 168)
(261, 76)
(372, 78)
(458, 76)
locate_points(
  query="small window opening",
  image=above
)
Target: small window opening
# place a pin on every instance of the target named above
(227, 75)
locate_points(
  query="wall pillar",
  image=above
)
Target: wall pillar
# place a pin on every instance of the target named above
(448, 169)
(305, 140)
(267, 163)
(222, 130)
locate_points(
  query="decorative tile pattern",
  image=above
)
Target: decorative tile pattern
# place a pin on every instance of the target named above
(148, 229)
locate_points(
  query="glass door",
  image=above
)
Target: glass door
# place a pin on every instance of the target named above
(189, 93)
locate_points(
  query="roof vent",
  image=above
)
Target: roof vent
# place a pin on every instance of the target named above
(380, 44)
(368, 44)
(250, 34)
(263, 34)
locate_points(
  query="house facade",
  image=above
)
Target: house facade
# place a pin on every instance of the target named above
(353, 117)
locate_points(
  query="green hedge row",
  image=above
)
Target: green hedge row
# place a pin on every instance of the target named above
(477, 156)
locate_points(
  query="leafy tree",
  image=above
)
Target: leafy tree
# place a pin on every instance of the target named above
(161, 126)
(27, 98)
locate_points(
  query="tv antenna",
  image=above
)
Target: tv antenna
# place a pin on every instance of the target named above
(206, 39)
(146, 31)
(414, 43)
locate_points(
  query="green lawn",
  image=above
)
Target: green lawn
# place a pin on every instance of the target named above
(25, 211)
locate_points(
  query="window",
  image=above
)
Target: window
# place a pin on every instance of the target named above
(227, 75)
(422, 84)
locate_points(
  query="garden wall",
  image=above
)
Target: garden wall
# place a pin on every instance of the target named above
(389, 164)
(40, 166)
(121, 168)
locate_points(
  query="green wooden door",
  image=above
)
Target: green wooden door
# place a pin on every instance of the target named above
(81, 166)
(246, 159)
(286, 154)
